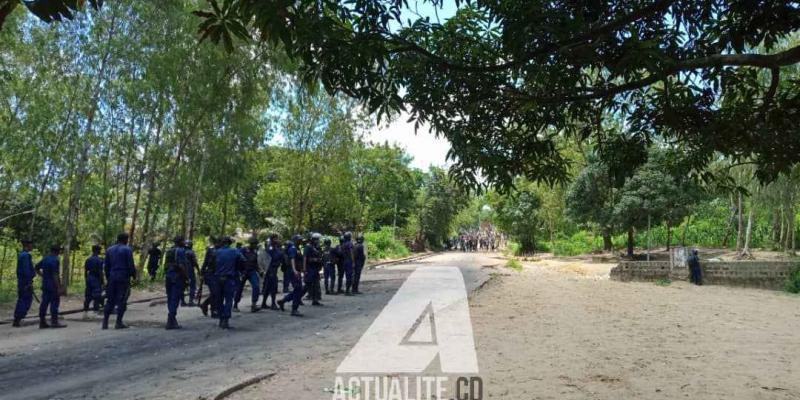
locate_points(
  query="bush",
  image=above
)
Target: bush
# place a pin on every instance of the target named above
(793, 282)
(514, 264)
(581, 242)
(382, 245)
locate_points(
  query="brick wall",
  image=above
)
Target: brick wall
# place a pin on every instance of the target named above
(761, 274)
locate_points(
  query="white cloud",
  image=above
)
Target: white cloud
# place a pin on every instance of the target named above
(426, 148)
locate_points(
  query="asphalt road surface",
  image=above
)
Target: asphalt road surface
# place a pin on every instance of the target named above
(201, 361)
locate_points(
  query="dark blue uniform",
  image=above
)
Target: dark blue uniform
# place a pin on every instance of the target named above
(177, 265)
(191, 258)
(313, 260)
(25, 275)
(696, 273)
(209, 266)
(329, 268)
(248, 272)
(119, 271)
(291, 254)
(347, 262)
(94, 283)
(360, 258)
(271, 277)
(49, 269)
(228, 262)
(153, 261)
(336, 253)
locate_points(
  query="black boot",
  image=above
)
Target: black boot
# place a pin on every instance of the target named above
(172, 323)
(55, 324)
(105, 321)
(17, 323)
(274, 306)
(43, 323)
(119, 324)
(204, 309)
(254, 308)
(296, 313)
(316, 303)
(235, 308)
(280, 304)
(224, 324)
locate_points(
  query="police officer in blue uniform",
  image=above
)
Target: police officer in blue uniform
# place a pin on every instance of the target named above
(94, 281)
(49, 269)
(228, 262)
(249, 272)
(153, 260)
(177, 266)
(359, 259)
(296, 277)
(192, 271)
(346, 251)
(329, 268)
(119, 272)
(277, 260)
(25, 275)
(312, 259)
(290, 252)
(207, 271)
(696, 272)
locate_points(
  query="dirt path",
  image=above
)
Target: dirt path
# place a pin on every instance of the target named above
(562, 330)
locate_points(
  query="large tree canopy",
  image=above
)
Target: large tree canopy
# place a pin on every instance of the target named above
(502, 79)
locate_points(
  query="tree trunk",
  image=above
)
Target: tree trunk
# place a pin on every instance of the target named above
(630, 242)
(669, 236)
(740, 220)
(607, 244)
(746, 249)
(685, 229)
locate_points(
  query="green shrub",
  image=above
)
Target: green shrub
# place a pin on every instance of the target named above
(514, 264)
(582, 242)
(793, 282)
(382, 245)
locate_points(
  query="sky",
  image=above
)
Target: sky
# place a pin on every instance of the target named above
(426, 149)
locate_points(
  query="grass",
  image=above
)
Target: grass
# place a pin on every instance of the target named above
(663, 282)
(514, 264)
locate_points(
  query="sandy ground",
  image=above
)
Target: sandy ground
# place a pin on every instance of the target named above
(562, 330)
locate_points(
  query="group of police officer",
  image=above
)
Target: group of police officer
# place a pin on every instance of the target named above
(225, 271)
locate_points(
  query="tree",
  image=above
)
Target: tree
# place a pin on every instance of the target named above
(439, 202)
(591, 199)
(518, 213)
(504, 80)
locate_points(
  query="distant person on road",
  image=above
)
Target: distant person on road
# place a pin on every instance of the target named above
(276, 261)
(249, 273)
(329, 268)
(295, 272)
(347, 261)
(25, 275)
(695, 271)
(312, 258)
(120, 270)
(153, 260)
(359, 259)
(48, 268)
(207, 271)
(94, 281)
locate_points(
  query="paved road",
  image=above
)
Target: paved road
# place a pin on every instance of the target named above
(199, 361)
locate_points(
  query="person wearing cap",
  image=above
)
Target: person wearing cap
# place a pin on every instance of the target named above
(276, 261)
(177, 267)
(291, 253)
(94, 281)
(312, 259)
(207, 271)
(249, 272)
(347, 261)
(296, 277)
(336, 253)
(120, 270)
(328, 267)
(696, 272)
(25, 275)
(49, 269)
(228, 263)
(192, 271)
(359, 259)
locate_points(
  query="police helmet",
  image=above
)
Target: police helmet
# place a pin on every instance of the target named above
(189, 244)
(297, 238)
(178, 240)
(360, 238)
(348, 236)
(315, 237)
(253, 240)
(226, 241)
(327, 241)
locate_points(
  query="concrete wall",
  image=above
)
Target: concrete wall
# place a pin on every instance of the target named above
(761, 274)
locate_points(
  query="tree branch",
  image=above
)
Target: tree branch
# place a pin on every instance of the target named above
(612, 26)
(771, 61)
